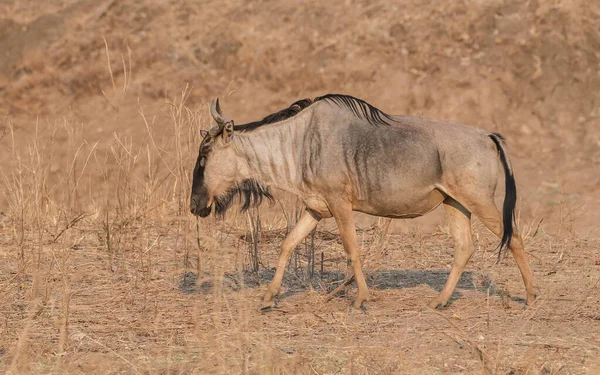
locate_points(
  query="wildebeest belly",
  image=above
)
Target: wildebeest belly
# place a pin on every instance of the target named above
(401, 204)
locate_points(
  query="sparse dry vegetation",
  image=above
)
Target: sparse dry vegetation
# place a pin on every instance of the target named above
(103, 270)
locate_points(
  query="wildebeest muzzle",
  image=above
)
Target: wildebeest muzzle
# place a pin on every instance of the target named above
(198, 206)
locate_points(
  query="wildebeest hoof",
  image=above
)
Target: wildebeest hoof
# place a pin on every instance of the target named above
(528, 306)
(359, 305)
(530, 300)
(353, 309)
(268, 305)
(437, 304)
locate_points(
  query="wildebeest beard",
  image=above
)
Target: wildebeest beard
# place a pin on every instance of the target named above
(249, 191)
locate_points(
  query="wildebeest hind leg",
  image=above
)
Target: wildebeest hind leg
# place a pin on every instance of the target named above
(304, 226)
(491, 217)
(459, 222)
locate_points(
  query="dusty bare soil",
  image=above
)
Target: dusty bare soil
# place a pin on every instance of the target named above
(141, 311)
(102, 269)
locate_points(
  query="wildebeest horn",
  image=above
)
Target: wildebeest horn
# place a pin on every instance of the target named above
(215, 111)
(215, 130)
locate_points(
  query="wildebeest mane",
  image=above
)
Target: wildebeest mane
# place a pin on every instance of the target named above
(359, 108)
(249, 191)
(284, 114)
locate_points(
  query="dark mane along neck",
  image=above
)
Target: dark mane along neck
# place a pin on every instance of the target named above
(359, 108)
(284, 114)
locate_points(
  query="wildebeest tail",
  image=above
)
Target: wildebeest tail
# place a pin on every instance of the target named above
(510, 197)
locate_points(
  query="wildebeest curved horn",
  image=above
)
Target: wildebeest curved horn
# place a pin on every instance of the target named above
(215, 130)
(215, 111)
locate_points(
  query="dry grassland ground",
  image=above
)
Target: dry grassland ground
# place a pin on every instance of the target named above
(103, 270)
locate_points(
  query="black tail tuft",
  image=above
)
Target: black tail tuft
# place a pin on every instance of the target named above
(510, 197)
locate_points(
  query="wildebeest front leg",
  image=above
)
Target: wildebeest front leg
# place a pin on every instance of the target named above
(345, 223)
(459, 222)
(304, 226)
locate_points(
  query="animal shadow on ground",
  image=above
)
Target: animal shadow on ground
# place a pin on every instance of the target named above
(296, 281)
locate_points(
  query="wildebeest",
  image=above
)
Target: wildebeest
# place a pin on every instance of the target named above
(340, 154)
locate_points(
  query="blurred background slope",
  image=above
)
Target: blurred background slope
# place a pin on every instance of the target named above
(529, 70)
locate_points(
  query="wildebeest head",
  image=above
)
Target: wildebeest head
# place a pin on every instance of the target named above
(216, 166)
(217, 179)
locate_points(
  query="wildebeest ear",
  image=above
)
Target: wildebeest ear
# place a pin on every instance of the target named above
(228, 132)
(203, 133)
